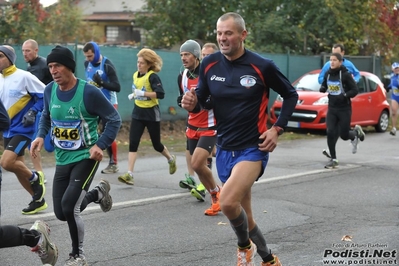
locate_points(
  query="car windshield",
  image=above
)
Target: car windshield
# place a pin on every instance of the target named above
(308, 83)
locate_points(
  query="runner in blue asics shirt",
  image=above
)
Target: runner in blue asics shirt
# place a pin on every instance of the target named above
(239, 82)
(339, 48)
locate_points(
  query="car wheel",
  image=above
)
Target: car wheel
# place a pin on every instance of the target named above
(383, 122)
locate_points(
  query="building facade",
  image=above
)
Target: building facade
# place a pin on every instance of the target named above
(113, 22)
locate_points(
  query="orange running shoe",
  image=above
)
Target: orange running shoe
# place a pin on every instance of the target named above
(276, 262)
(246, 257)
(215, 207)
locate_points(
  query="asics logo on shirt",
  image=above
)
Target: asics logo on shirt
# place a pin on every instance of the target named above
(216, 78)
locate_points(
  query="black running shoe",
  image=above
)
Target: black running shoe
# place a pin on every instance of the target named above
(35, 206)
(39, 189)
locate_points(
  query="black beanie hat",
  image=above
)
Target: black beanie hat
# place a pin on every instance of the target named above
(62, 55)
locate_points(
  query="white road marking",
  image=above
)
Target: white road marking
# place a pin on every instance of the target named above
(183, 195)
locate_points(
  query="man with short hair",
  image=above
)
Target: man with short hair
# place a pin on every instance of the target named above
(239, 82)
(37, 66)
(22, 96)
(208, 48)
(339, 48)
(101, 73)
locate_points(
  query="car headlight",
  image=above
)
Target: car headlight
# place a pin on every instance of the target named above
(321, 101)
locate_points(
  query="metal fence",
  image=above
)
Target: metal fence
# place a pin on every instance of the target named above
(125, 58)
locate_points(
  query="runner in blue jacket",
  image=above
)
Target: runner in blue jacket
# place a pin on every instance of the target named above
(339, 48)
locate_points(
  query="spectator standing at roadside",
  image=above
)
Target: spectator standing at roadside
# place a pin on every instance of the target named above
(239, 82)
(37, 66)
(101, 73)
(341, 87)
(147, 90)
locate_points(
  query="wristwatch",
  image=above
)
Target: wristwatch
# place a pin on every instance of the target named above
(279, 130)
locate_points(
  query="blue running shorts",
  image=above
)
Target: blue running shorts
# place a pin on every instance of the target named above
(395, 95)
(227, 159)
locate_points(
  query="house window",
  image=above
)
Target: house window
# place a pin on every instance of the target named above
(112, 34)
(122, 34)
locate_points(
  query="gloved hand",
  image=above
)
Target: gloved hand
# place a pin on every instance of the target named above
(97, 79)
(138, 93)
(323, 89)
(29, 118)
(179, 100)
(130, 96)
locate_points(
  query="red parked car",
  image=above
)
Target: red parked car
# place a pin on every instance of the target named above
(369, 108)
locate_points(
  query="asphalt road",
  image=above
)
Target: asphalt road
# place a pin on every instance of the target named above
(302, 209)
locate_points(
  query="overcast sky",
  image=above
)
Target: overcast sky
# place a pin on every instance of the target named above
(47, 2)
